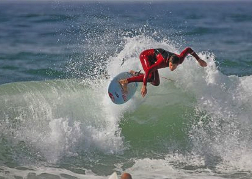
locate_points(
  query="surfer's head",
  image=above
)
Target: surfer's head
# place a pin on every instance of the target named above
(126, 176)
(173, 62)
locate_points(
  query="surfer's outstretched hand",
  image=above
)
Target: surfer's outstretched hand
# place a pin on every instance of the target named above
(144, 90)
(202, 63)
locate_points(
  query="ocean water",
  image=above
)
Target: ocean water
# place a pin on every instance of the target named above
(57, 121)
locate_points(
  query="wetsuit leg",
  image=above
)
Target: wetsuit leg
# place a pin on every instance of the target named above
(156, 80)
(146, 59)
(138, 78)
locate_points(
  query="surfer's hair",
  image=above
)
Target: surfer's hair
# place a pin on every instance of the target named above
(174, 59)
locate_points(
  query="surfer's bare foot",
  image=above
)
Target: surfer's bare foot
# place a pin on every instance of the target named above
(132, 73)
(124, 84)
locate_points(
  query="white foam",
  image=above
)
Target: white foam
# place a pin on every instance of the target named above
(58, 119)
(223, 107)
(173, 166)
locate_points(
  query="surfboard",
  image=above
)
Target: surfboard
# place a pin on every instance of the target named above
(115, 90)
(113, 176)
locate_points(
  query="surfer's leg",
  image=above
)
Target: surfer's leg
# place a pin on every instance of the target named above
(155, 80)
(145, 58)
(124, 82)
(138, 78)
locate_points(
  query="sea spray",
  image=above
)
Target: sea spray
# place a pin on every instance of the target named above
(55, 117)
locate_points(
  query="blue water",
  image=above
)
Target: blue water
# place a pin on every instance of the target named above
(57, 121)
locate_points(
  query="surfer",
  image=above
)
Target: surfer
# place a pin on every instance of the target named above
(154, 59)
(126, 176)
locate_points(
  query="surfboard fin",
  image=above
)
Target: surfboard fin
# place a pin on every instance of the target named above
(134, 73)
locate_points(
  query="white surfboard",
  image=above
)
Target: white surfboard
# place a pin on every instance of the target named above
(113, 176)
(115, 90)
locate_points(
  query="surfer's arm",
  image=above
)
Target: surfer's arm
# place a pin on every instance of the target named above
(187, 51)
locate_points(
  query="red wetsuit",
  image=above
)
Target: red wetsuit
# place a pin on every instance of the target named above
(154, 59)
